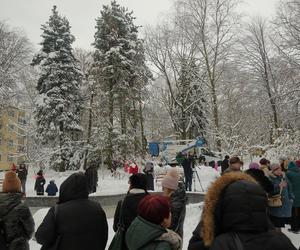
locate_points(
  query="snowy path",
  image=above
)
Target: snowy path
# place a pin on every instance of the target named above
(191, 221)
(108, 185)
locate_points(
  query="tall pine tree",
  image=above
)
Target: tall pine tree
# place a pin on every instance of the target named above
(119, 75)
(59, 101)
(190, 110)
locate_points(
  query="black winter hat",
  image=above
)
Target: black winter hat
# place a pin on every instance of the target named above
(138, 181)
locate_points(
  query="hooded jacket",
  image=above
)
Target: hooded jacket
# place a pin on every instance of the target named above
(39, 184)
(143, 235)
(79, 223)
(293, 175)
(18, 221)
(235, 203)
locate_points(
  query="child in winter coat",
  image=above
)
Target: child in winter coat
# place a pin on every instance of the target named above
(149, 229)
(51, 189)
(39, 183)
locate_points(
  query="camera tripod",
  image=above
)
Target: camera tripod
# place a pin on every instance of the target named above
(195, 174)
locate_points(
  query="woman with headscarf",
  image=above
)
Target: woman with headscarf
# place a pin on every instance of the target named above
(280, 216)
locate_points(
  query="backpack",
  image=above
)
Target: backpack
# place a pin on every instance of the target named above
(3, 241)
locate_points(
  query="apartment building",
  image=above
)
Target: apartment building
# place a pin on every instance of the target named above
(12, 137)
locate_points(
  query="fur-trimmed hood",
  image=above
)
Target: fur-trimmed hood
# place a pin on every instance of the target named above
(243, 202)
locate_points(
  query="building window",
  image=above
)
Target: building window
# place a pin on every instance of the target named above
(11, 113)
(21, 121)
(10, 158)
(21, 131)
(21, 149)
(10, 143)
(11, 127)
(21, 141)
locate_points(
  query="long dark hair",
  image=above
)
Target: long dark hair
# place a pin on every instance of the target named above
(138, 181)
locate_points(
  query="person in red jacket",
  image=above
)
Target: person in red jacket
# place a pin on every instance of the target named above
(133, 168)
(14, 167)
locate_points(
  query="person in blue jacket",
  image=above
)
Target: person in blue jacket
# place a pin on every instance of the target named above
(51, 189)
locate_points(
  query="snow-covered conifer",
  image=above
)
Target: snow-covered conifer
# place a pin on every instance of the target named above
(59, 101)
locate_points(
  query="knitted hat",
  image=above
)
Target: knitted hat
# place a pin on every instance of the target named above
(11, 183)
(275, 166)
(254, 165)
(171, 179)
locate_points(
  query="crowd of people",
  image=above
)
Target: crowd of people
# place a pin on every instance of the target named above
(91, 173)
(242, 210)
(281, 183)
(40, 182)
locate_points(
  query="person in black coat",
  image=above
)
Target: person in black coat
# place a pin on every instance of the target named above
(178, 209)
(259, 175)
(22, 172)
(225, 163)
(149, 172)
(39, 183)
(76, 222)
(128, 207)
(92, 177)
(235, 207)
(187, 165)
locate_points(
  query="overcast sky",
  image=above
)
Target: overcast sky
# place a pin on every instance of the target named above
(30, 14)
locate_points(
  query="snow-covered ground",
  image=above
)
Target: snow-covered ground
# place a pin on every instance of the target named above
(193, 212)
(192, 218)
(120, 185)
